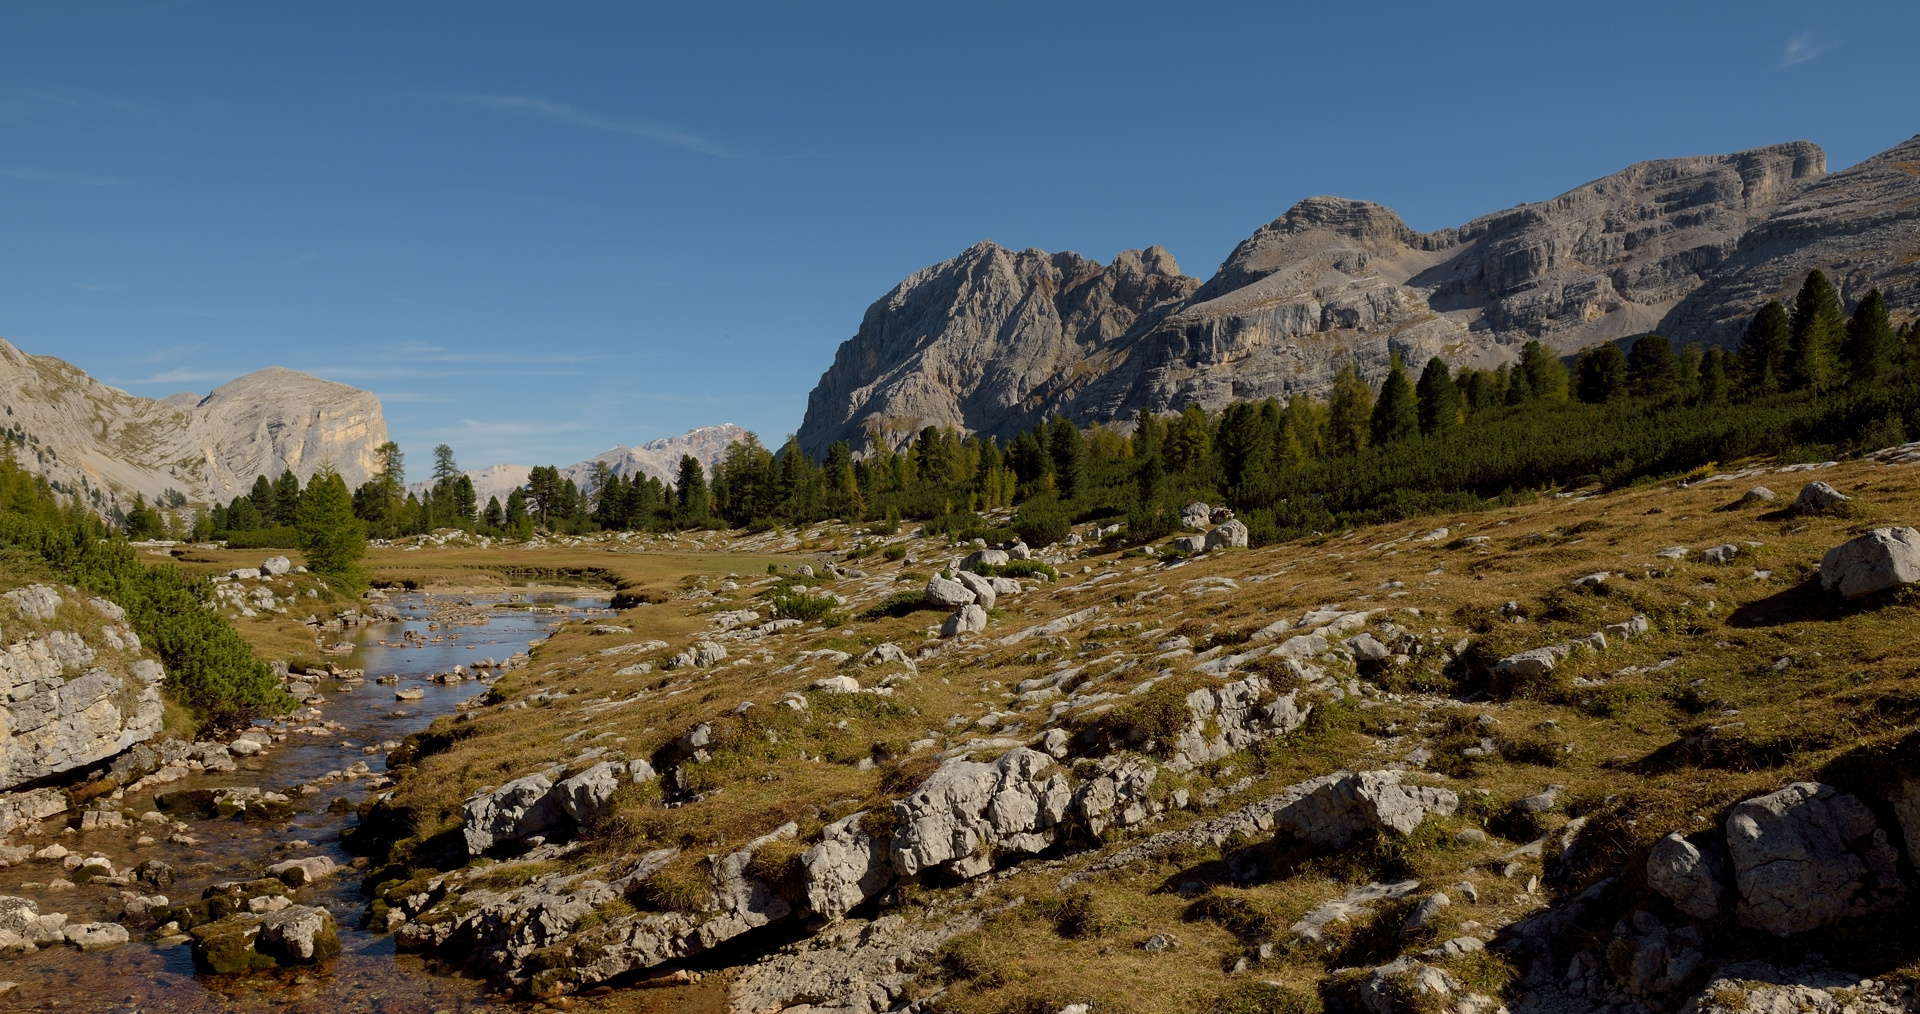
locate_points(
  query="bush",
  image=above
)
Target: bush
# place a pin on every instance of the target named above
(898, 604)
(895, 553)
(801, 606)
(1042, 527)
(1018, 568)
(280, 537)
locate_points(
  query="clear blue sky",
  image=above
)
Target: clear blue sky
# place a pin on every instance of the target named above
(540, 229)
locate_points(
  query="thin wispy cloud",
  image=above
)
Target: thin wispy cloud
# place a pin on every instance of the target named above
(179, 376)
(1802, 48)
(70, 179)
(592, 121)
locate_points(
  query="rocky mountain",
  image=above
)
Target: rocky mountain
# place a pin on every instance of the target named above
(658, 458)
(82, 434)
(992, 340)
(1861, 225)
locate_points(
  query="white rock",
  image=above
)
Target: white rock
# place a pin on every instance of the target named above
(948, 593)
(1883, 558)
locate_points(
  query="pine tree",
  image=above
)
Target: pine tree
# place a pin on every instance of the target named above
(286, 498)
(1514, 388)
(1546, 377)
(692, 488)
(1069, 453)
(1652, 368)
(1439, 398)
(1871, 345)
(1350, 410)
(330, 535)
(1189, 441)
(496, 516)
(1817, 328)
(1149, 434)
(1764, 350)
(1602, 374)
(1396, 416)
(1246, 446)
(1715, 382)
(263, 501)
(466, 502)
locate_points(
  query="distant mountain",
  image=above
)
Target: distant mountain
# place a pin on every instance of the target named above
(993, 341)
(83, 435)
(658, 458)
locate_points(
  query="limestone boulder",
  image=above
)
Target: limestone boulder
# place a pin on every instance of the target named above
(968, 619)
(35, 601)
(1196, 516)
(988, 557)
(846, 868)
(948, 593)
(522, 807)
(298, 935)
(967, 810)
(1690, 878)
(985, 593)
(1818, 496)
(1807, 856)
(1880, 560)
(1232, 534)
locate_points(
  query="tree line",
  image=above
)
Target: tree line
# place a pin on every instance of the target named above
(1812, 379)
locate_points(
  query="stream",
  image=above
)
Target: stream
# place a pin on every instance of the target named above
(154, 975)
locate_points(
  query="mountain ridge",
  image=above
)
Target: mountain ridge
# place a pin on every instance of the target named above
(86, 436)
(979, 343)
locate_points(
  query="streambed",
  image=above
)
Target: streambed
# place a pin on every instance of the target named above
(158, 975)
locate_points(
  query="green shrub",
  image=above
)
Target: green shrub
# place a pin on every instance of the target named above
(898, 604)
(1042, 526)
(1018, 568)
(279, 537)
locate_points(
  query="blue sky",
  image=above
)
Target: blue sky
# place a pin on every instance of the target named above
(538, 230)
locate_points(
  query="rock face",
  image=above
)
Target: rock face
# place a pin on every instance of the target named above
(984, 341)
(1860, 225)
(992, 340)
(1806, 856)
(966, 811)
(59, 708)
(207, 448)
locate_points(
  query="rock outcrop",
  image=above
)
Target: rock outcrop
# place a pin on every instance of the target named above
(64, 705)
(207, 448)
(992, 340)
(1861, 225)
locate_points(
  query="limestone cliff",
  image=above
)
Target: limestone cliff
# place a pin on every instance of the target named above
(74, 687)
(986, 341)
(1861, 225)
(992, 340)
(84, 435)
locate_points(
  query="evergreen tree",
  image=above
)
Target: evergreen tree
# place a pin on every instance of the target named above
(1439, 398)
(1546, 377)
(516, 508)
(1350, 410)
(1817, 328)
(496, 516)
(1396, 416)
(444, 467)
(544, 495)
(692, 487)
(1514, 387)
(1069, 453)
(1602, 373)
(1715, 382)
(263, 501)
(1149, 434)
(1189, 441)
(329, 533)
(1247, 435)
(243, 516)
(466, 503)
(1765, 349)
(286, 498)
(1150, 475)
(1652, 368)
(1871, 346)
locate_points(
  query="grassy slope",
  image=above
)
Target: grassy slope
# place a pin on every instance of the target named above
(1619, 749)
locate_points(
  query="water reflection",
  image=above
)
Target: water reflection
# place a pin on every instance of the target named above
(368, 976)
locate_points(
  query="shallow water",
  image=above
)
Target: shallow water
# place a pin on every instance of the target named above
(147, 975)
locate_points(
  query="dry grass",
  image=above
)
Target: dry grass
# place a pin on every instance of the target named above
(1658, 734)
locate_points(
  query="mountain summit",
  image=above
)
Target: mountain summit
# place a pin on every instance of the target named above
(992, 340)
(108, 444)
